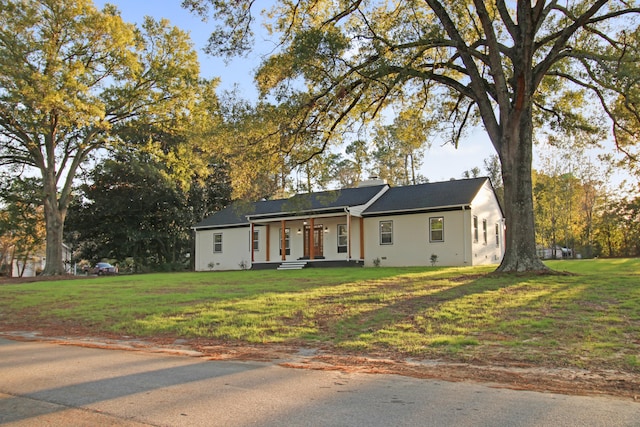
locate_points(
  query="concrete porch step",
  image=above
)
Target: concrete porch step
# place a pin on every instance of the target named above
(292, 265)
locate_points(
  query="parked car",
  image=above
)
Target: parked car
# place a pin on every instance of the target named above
(104, 268)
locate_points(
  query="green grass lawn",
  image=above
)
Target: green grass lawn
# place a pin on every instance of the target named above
(587, 319)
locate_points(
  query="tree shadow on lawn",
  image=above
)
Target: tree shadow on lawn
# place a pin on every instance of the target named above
(401, 306)
(560, 322)
(418, 323)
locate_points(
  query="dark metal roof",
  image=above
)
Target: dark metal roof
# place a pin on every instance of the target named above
(300, 204)
(427, 196)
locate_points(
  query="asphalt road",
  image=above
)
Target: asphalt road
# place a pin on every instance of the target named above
(60, 385)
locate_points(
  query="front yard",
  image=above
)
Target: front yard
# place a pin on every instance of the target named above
(589, 319)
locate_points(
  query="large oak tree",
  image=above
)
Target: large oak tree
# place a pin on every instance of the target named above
(70, 76)
(511, 66)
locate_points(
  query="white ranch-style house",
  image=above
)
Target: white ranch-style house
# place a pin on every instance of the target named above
(450, 223)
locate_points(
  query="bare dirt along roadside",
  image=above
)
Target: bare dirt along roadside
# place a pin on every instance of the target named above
(517, 377)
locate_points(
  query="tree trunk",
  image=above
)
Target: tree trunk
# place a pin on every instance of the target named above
(21, 269)
(11, 261)
(516, 158)
(54, 216)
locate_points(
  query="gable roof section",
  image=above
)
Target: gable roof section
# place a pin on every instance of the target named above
(323, 202)
(426, 197)
(239, 213)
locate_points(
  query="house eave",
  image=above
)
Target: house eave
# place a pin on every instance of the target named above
(296, 215)
(219, 226)
(417, 210)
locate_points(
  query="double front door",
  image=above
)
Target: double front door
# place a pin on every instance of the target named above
(317, 241)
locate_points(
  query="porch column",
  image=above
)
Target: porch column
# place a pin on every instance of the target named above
(312, 232)
(361, 238)
(268, 243)
(252, 251)
(283, 239)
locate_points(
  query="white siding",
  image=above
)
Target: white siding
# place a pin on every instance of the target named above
(411, 245)
(260, 255)
(235, 249)
(485, 207)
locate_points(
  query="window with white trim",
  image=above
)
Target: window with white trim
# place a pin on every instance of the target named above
(256, 240)
(287, 235)
(436, 229)
(217, 243)
(386, 232)
(475, 229)
(342, 238)
(484, 231)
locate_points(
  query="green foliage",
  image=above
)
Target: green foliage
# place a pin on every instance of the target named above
(21, 224)
(399, 147)
(556, 202)
(433, 259)
(625, 106)
(71, 77)
(379, 54)
(617, 227)
(492, 168)
(575, 209)
(259, 166)
(132, 208)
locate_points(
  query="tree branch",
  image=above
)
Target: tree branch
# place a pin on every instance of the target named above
(561, 40)
(506, 18)
(477, 85)
(603, 102)
(501, 91)
(346, 12)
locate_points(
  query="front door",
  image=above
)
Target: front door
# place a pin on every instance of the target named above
(317, 241)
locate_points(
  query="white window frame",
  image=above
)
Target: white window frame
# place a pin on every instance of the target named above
(256, 240)
(287, 240)
(386, 233)
(484, 231)
(440, 220)
(217, 245)
(475, 229)
(343, 238)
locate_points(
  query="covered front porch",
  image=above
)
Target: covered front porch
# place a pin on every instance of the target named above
(316, 240)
